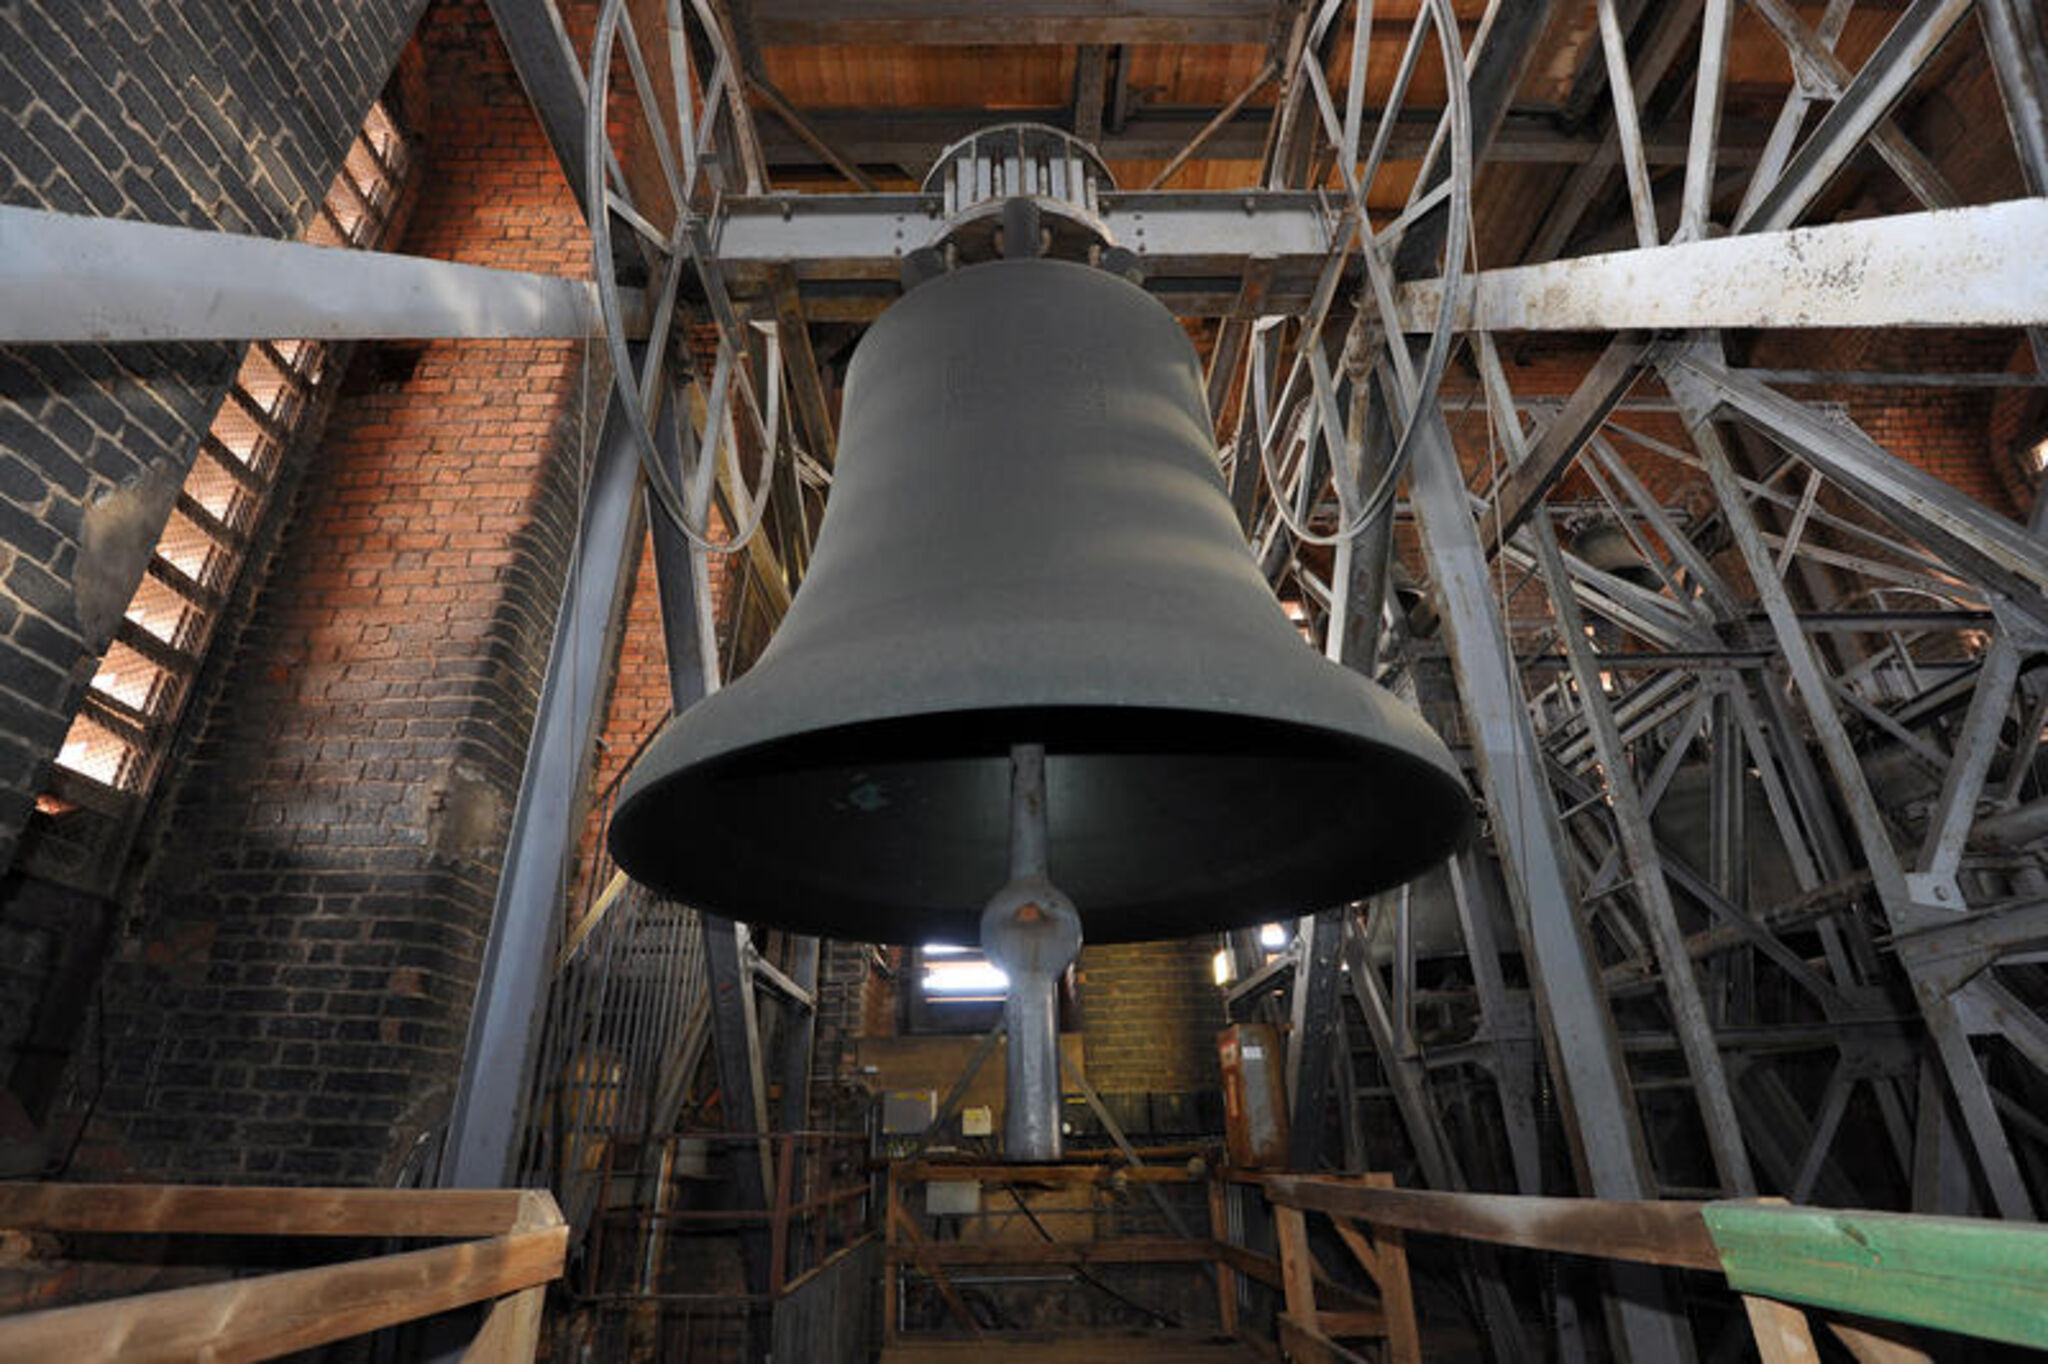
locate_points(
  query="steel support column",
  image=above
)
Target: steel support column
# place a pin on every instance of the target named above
(1688, 1010)
(1311, 1042)
(1409, 1081)
(682, 575)
(742, 1085)
(483, 1129)
(552, 77)
(1584, 1050)
(1856, 113)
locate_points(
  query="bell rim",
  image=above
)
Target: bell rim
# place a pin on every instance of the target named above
(1432, 812)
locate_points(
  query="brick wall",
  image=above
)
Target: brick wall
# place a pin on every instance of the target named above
(233, 117)
(640, 698)
(1150, 1013)
(641, 695)
(289, 996)
(857, 998)
(2018, 421)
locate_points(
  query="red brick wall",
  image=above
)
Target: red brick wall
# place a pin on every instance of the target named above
(290, 995)
(2019, 420)
(1945, 431)
(640, 701)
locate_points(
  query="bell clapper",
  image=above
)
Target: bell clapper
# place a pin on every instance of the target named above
(1032, 932)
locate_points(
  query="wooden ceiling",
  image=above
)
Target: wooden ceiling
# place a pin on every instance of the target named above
(887, 83)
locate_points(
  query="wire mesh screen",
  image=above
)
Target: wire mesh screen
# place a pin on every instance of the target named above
(132, 680)
(628, 1021)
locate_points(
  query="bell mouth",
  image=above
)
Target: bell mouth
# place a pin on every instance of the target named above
(1163, 823)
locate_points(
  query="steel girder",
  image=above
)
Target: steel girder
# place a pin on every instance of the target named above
(65, 278)
(526, 919)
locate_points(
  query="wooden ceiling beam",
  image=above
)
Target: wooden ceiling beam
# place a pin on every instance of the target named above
(1091, 85)
(824, 23)
(912, 137)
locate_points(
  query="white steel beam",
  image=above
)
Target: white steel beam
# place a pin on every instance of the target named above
(1960, 267)
(66, 278)
(865, 235)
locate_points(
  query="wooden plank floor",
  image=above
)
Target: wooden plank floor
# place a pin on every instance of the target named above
(1111, 1347)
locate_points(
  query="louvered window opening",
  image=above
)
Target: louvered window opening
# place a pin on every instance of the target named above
(132, 707)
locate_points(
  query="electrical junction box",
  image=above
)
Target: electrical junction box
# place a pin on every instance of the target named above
(907, 1112)
(1254, 1095)
(977, 1122)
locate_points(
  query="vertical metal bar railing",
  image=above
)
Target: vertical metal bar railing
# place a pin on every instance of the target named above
(627, 1020)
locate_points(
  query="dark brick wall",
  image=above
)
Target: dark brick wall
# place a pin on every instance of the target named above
(227, 116)
(289, 995)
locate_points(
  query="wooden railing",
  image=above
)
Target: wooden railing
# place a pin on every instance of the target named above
(1194, 1235)
(1976, 1277)
(508, 1245)
(1862, 1275)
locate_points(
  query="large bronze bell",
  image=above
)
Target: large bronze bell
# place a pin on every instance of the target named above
(1028, 542)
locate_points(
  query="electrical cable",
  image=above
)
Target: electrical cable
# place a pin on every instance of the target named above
(1163, 1318)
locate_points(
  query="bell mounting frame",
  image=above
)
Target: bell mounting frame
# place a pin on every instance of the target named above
(668, 239)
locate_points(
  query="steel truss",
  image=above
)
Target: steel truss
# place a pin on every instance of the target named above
(1698, 1039)
(1840, 654)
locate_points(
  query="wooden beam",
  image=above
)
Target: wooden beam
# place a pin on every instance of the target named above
(1871, 1346)
(1660, 1233)
(1254, 1266)
(828, 23)
(1195, 144)
(1303, 1344)
(891, 1275)
(1226, 1277)
(511, 1330)
(800, 362)
(259, 1318)
(1091, 89)
(1290, 1228)
(1404, 1332)
(1125, 1251)
(1782, 1333)
(762, 89)
(1982, 1277)
(921, 1254)
(911, 138)
(1360, 1246)
(1359, 1321)
(194, 1211)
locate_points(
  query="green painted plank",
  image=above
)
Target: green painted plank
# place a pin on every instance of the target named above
(1980, 1277)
